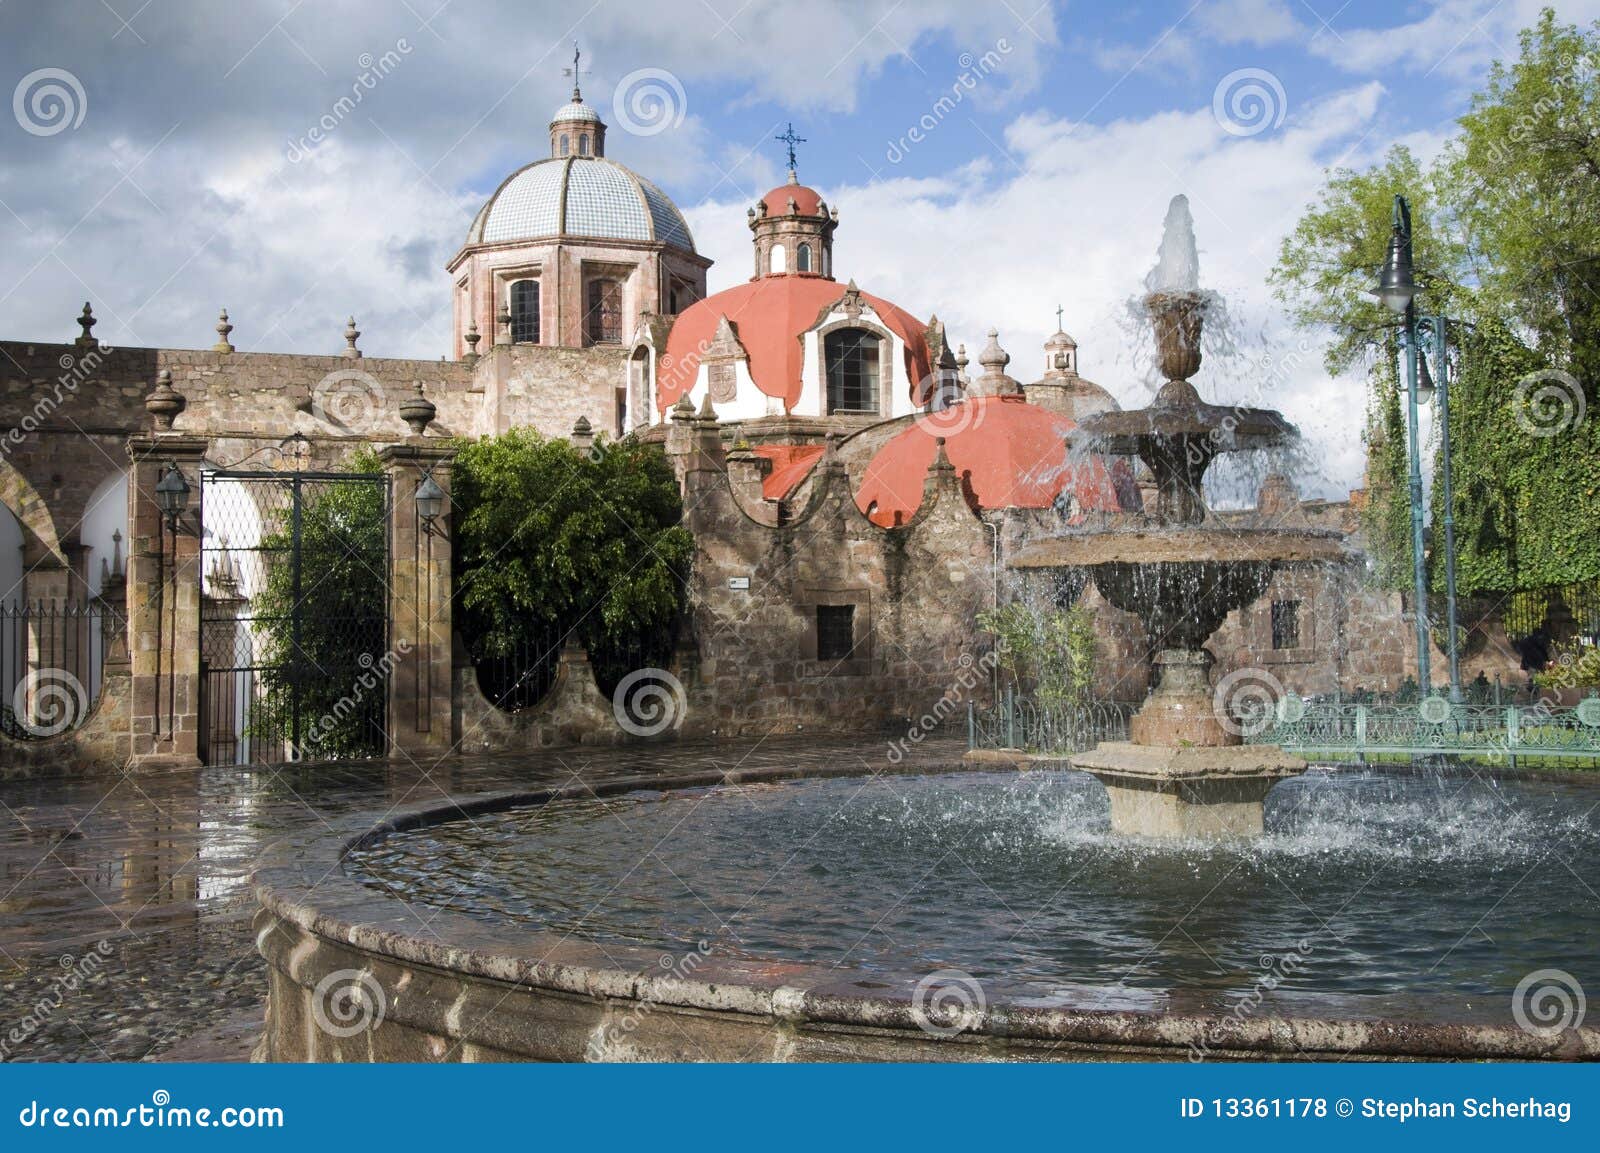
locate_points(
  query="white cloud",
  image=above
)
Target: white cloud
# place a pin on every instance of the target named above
(1254, 22)
(1072, 214)
(1456, 38)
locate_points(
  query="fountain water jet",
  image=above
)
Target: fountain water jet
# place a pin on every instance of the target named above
(1183, 772)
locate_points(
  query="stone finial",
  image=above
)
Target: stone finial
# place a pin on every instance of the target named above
(683, 410)
(223, 329)
(417, 411)
(86, 321)
(708, 411)
(962, 361)
(502, 323)
(164, 402)
(994, 381)
(472, 337)
(582, 434)
(351, 333)
(111, 568)
(941, 460)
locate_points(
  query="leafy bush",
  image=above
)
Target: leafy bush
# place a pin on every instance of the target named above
(1049, 652)
(548, 537)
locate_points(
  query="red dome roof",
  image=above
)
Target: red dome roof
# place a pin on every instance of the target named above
(807, 200)
(1009, 453)
(770, 314)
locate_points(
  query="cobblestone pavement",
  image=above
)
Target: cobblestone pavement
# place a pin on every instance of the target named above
(125, 903)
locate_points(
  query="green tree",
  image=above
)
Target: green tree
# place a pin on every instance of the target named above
(551, 538)
(1507, 244)
(1049, 652)
(324, 650)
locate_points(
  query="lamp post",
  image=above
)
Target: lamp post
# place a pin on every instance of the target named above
(172, 499)
(1397, 289)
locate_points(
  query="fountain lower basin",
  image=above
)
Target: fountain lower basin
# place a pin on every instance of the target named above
(497, 952)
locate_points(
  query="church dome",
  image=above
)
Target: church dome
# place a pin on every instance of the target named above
(807, 201)
(583, 196)
(577, 110)
(1009, 454)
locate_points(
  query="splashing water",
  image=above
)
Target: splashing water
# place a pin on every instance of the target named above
(1393, 882)
(1178, 260)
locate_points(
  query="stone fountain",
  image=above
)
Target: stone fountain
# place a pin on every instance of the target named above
(1184, 771)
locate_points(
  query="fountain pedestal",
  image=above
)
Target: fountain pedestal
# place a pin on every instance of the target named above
(1183, 773)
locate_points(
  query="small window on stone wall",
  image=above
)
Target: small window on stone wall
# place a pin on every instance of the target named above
(802, 258)
(1285, 624)
(835, 632)
(525, 312)
(564, 144)
(583, 145)
(602, 317)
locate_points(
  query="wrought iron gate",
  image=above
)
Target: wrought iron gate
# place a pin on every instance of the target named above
(294, 616)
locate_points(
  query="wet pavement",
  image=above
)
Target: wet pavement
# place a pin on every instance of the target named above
(125, 902)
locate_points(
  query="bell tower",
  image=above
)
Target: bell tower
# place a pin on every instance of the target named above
(792, 227)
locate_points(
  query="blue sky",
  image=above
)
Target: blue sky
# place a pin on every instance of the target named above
(180, 189)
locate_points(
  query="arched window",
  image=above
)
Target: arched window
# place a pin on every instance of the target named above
(851, 355)
(583, 144)
(602, 318)
(802, 258)
(525, 312)
(563, 144)
(778, 261)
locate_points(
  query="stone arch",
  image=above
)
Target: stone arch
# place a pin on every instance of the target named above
(38, 526)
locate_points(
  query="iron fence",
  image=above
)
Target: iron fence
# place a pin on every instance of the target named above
(51, 660)
(1017, 723)
(517, 676)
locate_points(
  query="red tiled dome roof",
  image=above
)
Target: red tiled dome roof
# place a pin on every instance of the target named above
(1009, 453)
(770, 314)
(807, 200)
(791, 464)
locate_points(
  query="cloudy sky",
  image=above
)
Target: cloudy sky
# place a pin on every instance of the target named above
(160, 159)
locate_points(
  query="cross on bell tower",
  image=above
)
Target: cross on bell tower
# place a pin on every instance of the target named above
(791, 140)
(575, 71)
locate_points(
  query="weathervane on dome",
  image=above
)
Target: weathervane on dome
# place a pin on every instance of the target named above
(574, 71)
(791, 140)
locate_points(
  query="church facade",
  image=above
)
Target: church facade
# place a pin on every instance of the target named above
(854, 484)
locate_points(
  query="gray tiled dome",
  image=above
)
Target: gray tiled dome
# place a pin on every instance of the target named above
(577, 110)
(601, 199)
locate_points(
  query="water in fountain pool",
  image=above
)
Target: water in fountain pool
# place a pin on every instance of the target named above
(1430, 895)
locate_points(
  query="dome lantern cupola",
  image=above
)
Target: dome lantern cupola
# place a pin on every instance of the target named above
(576, 129)
(792, 227)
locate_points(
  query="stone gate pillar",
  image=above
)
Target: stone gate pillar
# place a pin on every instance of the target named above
(420, 593)
(163, 596)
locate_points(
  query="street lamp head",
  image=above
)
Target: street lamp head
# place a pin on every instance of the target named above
(430, 500)
(172, 493)
(1397, 284)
